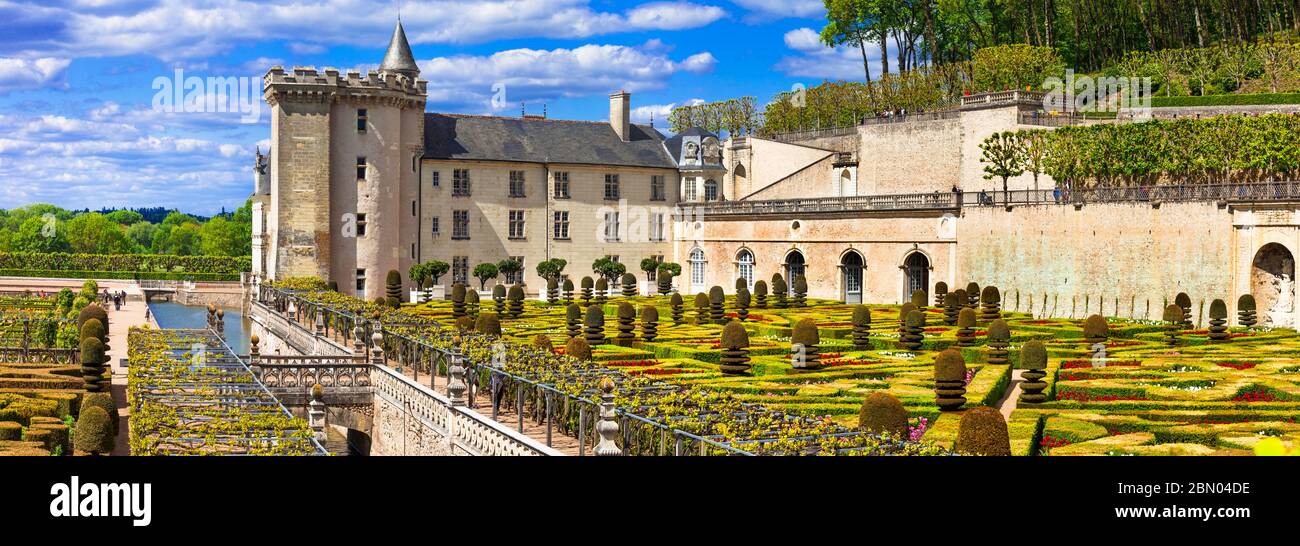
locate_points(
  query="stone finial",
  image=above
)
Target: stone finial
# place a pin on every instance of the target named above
(456, 386)
(607, 426)
(320, 324)
(316, 412)
(358, 340)
(377, 351)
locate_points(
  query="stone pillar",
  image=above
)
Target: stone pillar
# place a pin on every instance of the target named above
(320, 323)
(607, 426)
(377, 353)
(456, 386)
(316, 413)
(359, 342)
(220, 324)
(255, 357)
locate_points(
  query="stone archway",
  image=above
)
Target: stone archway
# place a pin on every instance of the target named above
(851, 266)
(1272, 282)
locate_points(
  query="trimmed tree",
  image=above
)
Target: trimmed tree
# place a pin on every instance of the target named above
(510, 268)
(940, 292)
(629, 285)
(803, 345)
(499, 299)
(949, 380)
(1033, 359)
(92, 311)
(919, 300)
(587, 290)
(1173, 318)
(488, 324)
(999, 339)
(991, 299)
(472, 303)
(735, 349)
(552, 291)
(1218, 321)
(649, 323)
(903, 311)
(952, 308)
(678, 313)
(779, 291)
(578, 349)
(595, 323)
(1096, 332)
(760, 294)
(568, 291)
(861, 327)
(393, 289)
(742, 304)
(966, 328)
(881, 413)
(92, 365)
(602, 291)
(458, 300)
(973, 295)
(983, 432)
(102, 400)
(92, 433)
(1184, 302)
(626, 325)
(516, 301)
(717, 306)
(573, 319)
(701, 309)
(801, 291)
(542, 342)
(1246, 316)
(914, 337)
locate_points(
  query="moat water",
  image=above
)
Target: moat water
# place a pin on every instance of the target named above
(172, 315)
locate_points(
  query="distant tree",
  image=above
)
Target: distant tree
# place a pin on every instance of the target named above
(1004, 157)
(608, 269)
(125, 217)
(142, 233)
(485, 273)
(36, 235)
(94, 233)
(222, 237)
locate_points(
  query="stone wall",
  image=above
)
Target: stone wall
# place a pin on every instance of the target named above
(909, 157)
(281, 336)
(299, 227)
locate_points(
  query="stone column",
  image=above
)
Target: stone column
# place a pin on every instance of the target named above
(456, 386)
(607, 426)
(316, 413)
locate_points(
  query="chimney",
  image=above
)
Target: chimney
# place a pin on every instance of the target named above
(620, 114)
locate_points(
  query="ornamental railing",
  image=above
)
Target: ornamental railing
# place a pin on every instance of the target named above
(1260, 192)
(1003, 97)
(859, 203)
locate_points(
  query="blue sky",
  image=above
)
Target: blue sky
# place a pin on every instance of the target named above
(80, 125)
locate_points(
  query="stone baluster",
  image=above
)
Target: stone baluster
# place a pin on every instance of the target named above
(359, 342)
(316, 412)
(320, 324)
(607, 426)
(456, 386)
(377, 353)
(220, 324)
(255, 357)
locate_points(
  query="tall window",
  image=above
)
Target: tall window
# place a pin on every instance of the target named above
(516, 183)
(658, 227)
(361, 120)
(562, 186)
(711, 190)
(745, 268)
(460, 269)
(434, 226)
(690, 188)
(361, 224)
(697, 270)
(460, 184)
(460, 225)
(658, 189)
(611, 227)
(437, 179)
(516, 224)
(361, 281)
(561, 225)
(361, 169)
(611, 187)
(518, 276)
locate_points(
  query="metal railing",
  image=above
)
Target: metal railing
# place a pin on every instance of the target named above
(1253, 192)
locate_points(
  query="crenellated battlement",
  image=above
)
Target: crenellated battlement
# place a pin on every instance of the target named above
(306, 83)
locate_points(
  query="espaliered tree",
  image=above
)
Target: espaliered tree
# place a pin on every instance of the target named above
(1173, 318)
(973, 295)
(472, 303)
(735, 349)
(999, 339)
(801, 291)
(919, 300)
(779, 291)
(1096, 332)
(951, 308)
(573, 318)
(991, 301)
(913, 338)
(903, 311)
(861, 327)
(578, 349)
(983, 432)
(649, 323)
(1184, 302)
(1219, 321)
(1246, 316)
(393, 289)
(602, 291)
(966, 328)
(1033, 359)
(629, 285)
(552, 291)
(595, 325)
(717, 306)
(804, 342)
(760, 294)
(587, 285)
(499, 299)
(488, 324)
(742, 304)
(940, 293)
(568, 291)
(883, 414)
(678, 313)
(701, 309)
(949, 380)
(516, 297)
(626, 325)
(458, 300)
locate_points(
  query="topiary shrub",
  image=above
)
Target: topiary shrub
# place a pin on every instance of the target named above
(544, 343)
(1033, 359)
(678, 312)
(552, 291)
(393, 289)
(973, 295)
(801, 291)
(465, 323)
(913, 338)
(760, 294)
(999, 338)
(626, 325)
(499, 298)
(458, 300)
(602, 291)
(1173, 318)
(649, 323)
(595, 323)
(471, 303)
(587, 291)
(717, 306)
(1184, 302)
(982, 431)
(92, 311)
(779, 291)
(568, 291)
(578, 349)
(735, 349)
(701, 309)
(516, 301)
(902, 321)
(665, 282)
(949, 380)
(741, 283)
(742, 304)
(93, 433)
(966, 327)
(952, 308)
(92, 365)
(803, 345)
(1096, 332)
(861, 327)
(10, 431)
(488, 324)
(883, 414)
(573, 319)
(940, 293)
(991, 301)
(103, 400)
(1246, 316)
(919, 300)
(1219, 321)
(629, 285)
(94, 329)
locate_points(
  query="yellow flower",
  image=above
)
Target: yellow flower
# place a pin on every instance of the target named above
(1273, 447)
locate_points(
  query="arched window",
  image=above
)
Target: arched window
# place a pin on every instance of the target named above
(711, 190)
(697, 270)
(794, 268)
(847, 187)
(916, 274)
(745, 268)
(852, 266)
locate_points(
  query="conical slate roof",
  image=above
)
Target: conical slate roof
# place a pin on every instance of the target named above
(399, 58)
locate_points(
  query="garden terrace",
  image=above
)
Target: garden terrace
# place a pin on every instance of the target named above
(190, 395)
(656, 416)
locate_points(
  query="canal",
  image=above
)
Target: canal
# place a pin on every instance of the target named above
(170, 315)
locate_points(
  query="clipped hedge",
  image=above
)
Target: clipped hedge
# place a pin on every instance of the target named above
(80, 274)
(1252, 99)
(126, 262)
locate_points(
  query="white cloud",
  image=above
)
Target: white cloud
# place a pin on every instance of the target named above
(658, 112)
(766, 10)
(20, 74)
(673, 16)
(814, 60)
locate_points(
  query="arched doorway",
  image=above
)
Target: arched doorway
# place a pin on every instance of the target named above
(851, 265)
(745, 268)
(916, 274)
(1272, 282)
(795, 267)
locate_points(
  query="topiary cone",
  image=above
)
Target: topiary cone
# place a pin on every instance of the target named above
(883, 414)
(602, 291)
(649, 323)
(914, 338)
(1096, 331)
(1033, 359)
(952, 305)
(471, 303)
(626, 325)
(499, 298)
(999, 339)
(735, 349)
(92, 364)
(457, 300)
(717, 309)
(991, 301)
(966, 327)
(973, 295)
(919, 300)
(903, 311)
(678, 313)
(779, 291)
(1183, 301)
(1246, 316)
(861, 327)
(804, 340)
(1219, 321)
(568, 291)
(1173, 318)
(595, 325)
(552, 291)
(940, 292)
(516, 298)
(573, 317)
(949, 380)
(983, 431)
(629, 285)
(701, 309)
(801, 291)
(587, 285)
(760, 294)
(742, 304)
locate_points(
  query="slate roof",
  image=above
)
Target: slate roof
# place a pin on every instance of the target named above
(484, 138)
(398, 58)
(674, 144)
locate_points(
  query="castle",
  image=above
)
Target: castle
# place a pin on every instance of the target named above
(360, 180)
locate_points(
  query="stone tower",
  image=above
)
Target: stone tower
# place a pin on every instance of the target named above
(344, 165)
